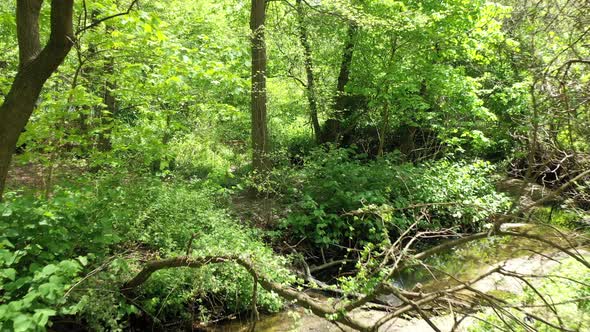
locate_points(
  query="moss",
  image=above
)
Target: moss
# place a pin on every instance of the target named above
(556, 216)
(502, 294)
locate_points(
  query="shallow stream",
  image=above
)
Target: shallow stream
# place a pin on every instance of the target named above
(464, 263)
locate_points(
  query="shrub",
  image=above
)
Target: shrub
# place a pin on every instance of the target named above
(339, 196)
(167, 225)
(46, 246)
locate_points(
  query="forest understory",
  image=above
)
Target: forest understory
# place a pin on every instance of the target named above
(294, 165)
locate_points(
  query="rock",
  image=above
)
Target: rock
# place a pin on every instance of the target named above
(522, 227)
(389, 299)
(525, 190)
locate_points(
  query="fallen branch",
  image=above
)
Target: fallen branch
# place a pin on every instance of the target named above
(329, 264)
(401, 257)
(287, 293)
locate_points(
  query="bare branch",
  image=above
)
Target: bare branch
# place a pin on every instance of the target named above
(99, 21)
(287, 293)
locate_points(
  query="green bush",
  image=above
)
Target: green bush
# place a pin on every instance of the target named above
(44, 245)
(110, 226)
(31, 297)
(167, 225)
(338, 195)
(55, 229)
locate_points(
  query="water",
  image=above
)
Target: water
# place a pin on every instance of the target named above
(294, 319)
(464, 263)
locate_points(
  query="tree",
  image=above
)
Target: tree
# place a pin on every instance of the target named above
(308, 64)
(334, 127)
(36, 65)
(258, 103)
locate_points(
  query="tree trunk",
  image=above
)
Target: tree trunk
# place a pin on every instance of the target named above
(260, 146)
(408, 140)
(35, 67)
(109, 100)
(340, 99)
(344, 75)
(384, 129)
(308, 63)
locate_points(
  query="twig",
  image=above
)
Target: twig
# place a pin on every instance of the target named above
(97, 22)
(189, 246)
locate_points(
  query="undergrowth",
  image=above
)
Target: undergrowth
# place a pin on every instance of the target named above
(338, 196)
(69, 254)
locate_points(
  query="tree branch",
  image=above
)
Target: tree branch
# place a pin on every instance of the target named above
(287, 293)
(98, 22)
(27, 28)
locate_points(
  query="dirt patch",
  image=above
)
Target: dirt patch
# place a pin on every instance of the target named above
(27, 175)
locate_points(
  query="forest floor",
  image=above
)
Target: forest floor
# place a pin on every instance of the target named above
(28, 175)
(35, 176)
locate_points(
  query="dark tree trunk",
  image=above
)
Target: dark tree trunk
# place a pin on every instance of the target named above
(344, 75)
(408, 140)
(383, 89)
(340, 100)
(308, 63)
(105, 85)
(35, 67)
(384, 129)
(260, 145)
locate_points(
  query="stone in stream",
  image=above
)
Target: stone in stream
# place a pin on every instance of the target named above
(526, 192)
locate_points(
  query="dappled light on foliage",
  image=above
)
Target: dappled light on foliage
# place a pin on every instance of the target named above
(305, 165)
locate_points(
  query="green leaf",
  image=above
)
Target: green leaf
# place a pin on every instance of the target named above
(23, 323)
(8, 274)
(41, 316)
(47, 271)
(83, 260)
(7, 212)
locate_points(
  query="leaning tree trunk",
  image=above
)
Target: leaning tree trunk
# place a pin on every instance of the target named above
(260, 146)
(36, 65)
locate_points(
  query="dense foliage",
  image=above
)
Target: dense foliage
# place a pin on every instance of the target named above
(339, 196)
(385, 118)
(47, 244)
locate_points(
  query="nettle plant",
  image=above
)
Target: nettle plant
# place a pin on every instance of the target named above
(341, 196)
(43, 248)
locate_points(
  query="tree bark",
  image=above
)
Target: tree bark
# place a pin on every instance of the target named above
(344, 75)
(384, 129)
(308, 63)
(333, 127)
(35, 67)
(260, 146)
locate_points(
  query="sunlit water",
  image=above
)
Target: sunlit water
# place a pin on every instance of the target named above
(463, 263)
